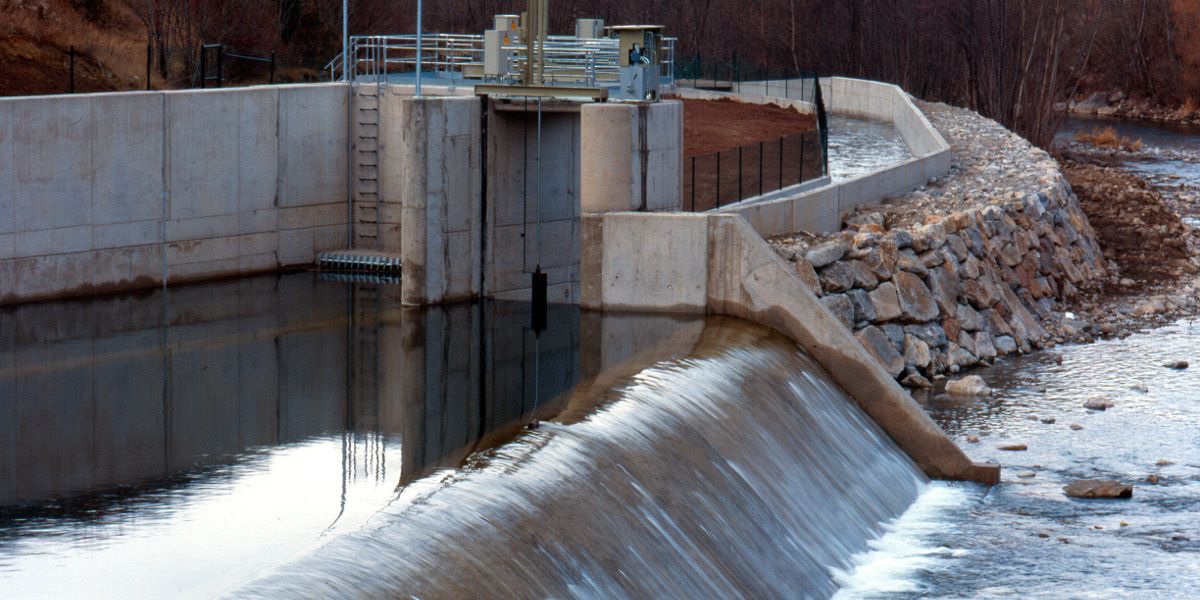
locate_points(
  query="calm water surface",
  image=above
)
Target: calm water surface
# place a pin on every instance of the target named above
(177, 444)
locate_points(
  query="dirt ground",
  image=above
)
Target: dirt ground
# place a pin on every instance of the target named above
(1135, 226)
(715, 125)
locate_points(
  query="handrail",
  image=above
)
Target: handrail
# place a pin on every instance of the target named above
(568, 59)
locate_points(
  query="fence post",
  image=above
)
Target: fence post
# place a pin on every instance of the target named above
(760, 168)
(718, 180)
(72, 69)
(781, 163)
(693, 184)
(203, 66)
(220, 65)
(149, 63)
(801, 159)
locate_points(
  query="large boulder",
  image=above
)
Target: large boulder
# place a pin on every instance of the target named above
(916, 301)
(823, 255)
(880, 346)
(886, 302)
(972, 385)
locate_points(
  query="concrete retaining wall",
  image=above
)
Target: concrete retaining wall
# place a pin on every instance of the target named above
(819, 210)
(117, 191)
(718, 264)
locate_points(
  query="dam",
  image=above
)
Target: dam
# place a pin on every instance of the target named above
(451, 335)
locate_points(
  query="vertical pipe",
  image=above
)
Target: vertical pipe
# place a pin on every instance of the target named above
(221, 65)
(72, 69)
(537, 249)
(345, 40)
(203, 67)
(420, 39)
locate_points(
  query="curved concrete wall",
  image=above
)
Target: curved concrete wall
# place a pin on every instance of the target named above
(716, 263)
(819, 209)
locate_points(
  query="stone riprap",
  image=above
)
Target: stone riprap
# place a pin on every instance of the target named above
(976, 265)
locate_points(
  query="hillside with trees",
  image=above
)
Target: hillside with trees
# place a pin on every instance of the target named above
(1011, 60)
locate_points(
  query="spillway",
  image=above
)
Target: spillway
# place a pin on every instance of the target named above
(739, 470)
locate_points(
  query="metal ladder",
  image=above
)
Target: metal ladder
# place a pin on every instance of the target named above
(365, 155)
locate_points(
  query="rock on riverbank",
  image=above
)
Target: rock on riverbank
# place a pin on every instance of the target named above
(975, 266)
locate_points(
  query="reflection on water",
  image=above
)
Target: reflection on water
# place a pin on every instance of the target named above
(176, 444)
(860, 146)
(739, 471)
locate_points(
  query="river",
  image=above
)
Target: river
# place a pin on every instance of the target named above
(1025, 538)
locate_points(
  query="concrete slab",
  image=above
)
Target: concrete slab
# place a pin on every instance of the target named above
(203, 154)
(8, 202)
(606, 139)
(313, 141)
(257, 148)
(127, 157)
(52, 171)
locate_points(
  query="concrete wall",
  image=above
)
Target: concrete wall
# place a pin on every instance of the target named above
(115, 191)
(819, 209)
(718, 264)
(516, 243)
(430, 174)
(634, 156)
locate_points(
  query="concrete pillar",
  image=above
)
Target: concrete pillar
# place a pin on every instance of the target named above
(663, 155)
(611, 180)
(432, 162)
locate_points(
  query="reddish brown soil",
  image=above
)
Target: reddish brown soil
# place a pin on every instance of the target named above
(714, 125)
(31, 67)
(1134, 224)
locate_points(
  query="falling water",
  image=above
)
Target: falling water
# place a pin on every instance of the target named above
(741, 470)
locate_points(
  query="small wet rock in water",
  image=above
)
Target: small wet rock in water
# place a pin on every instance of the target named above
(1155, 479)
(1076, 426)
(1178, 365)
(1026, 474)
(1064, 539)
(1043, 534)
(972, 385)
(1162, 462)
(1124, 523)
(1099, 489)
(974, 439)
(1049, 420)
(1098, 403)
(1013, 447)
(1140, 388)
(1031, 417)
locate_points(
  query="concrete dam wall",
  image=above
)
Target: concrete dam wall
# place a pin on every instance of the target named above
(104, 192)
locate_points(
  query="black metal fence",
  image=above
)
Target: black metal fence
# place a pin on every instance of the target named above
(213, 64)
(729, 176)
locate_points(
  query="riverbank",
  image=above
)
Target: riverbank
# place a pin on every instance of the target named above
(1010, 253)
(1118, 105)
(980, 264)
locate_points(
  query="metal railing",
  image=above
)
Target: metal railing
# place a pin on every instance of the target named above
(569, 60)
(730, 176)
